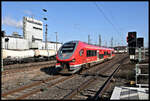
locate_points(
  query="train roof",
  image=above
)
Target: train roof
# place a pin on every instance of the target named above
(90, 46)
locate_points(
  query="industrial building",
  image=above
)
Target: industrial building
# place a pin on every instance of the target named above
(32, 37)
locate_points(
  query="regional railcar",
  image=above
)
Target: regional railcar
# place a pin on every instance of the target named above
(76, 55)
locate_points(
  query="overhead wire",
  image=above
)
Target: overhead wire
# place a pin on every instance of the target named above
(101, 11)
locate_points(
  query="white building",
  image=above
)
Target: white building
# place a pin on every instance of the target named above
(32, 31)
(14, 42)
(32, 37)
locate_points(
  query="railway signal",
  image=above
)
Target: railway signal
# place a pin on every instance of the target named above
(140, 45)
(140, 42)
(131, 39)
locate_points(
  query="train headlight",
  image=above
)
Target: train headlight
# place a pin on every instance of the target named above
(73, 60)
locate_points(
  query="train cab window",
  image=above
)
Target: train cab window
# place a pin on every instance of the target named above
(68, 48)
(81, 52)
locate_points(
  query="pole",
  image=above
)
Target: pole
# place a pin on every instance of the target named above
(46, 37)
(112, 42)
(56, 42)
(88, 39)
(100, 40)
(139, 54)
(2, 69)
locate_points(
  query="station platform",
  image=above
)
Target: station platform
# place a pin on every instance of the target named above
(130, 93)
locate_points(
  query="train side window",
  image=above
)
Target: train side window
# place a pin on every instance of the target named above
(87, 53)
(81, 52)
(91, 52)
(104, 53)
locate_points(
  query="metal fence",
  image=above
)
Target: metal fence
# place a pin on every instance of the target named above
(142, 75)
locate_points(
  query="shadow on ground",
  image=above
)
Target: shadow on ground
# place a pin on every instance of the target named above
(51, 70)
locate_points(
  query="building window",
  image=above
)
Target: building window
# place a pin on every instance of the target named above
(37, 28)
(35, 22)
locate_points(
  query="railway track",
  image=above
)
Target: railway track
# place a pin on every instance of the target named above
(28, 90)
(14, 66)
(26, 67)
(93, 79)
(106, 84)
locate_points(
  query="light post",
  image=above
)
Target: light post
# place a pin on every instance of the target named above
(3, 35)
(45, 30)
(46, 34)
(46, 37)
(2, 69)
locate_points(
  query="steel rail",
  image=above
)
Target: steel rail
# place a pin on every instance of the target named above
(37, 90)
(26, 68)
(88, 82)
(29, 86)
(105, 85)
(37, 83)
(15, 66)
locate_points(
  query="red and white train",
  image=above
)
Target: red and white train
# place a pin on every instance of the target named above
(75, 55)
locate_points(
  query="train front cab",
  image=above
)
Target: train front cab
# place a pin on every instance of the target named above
(66, 59)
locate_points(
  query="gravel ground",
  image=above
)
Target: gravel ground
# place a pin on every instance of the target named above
(12, 81)
(122, 78)
(62, 89)
(56, 92)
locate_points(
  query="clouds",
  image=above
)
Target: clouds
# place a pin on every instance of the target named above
(29, 13)
(8, 21)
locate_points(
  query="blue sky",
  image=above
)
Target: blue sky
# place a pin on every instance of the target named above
(77, 20)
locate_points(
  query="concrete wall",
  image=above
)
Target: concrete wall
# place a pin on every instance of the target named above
(15, 43)
(51, 45)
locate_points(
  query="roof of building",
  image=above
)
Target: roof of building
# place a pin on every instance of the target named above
(14, 36)
(53, 42)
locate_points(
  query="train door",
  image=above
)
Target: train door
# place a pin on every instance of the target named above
(97, 54)
(82, 56)
(111, 53)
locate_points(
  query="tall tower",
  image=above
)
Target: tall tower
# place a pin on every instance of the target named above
(99, 40)
(32, 30)
(88, 39)
(111, 42)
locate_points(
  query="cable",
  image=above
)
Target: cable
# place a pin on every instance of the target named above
(100, 10)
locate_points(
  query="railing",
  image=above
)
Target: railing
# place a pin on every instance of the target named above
(142, 74)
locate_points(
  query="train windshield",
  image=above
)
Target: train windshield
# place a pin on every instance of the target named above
(68, 48)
